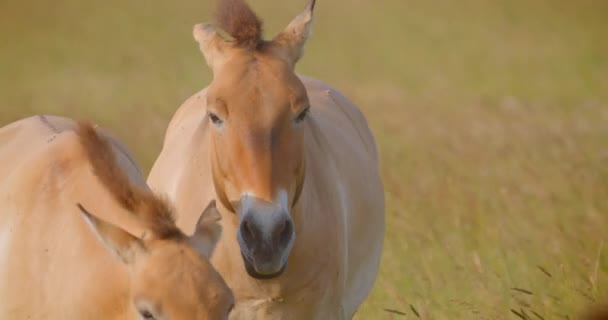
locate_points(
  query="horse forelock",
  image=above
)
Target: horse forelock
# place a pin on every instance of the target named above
(237, 19)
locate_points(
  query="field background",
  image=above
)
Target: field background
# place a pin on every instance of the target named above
(491, 119)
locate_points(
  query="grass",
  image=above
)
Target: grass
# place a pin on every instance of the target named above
(491, 118)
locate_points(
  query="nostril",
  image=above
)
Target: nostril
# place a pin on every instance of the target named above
(285, 231)
(282, 227)
(247, 231)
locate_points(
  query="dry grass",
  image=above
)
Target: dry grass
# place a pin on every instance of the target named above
(491, 117)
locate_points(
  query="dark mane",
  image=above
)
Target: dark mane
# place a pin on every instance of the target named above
(237, 19)
(154, 211)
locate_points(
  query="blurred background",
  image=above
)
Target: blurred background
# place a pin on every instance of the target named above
(491, 119)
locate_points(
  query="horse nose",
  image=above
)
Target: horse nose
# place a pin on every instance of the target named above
(266, 228)
(265, 235)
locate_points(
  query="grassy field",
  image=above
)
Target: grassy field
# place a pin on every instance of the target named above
(491, 118)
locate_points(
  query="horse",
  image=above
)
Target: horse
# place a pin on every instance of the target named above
(83, 237)
(294, 167)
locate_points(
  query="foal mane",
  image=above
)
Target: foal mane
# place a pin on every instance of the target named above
(154, 211)
(237, 19)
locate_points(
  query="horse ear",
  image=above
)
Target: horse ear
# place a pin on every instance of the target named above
(208, 230)
(213, 44)
(119, 242)
(292, 40)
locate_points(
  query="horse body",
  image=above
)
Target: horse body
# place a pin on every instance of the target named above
(52, 262)
(36, 184)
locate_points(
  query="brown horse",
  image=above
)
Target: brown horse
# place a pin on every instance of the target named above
(293, 165)
(59, 262)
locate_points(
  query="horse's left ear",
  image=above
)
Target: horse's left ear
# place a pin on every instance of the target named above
(208, 230)
(117, 241)
(292, 40)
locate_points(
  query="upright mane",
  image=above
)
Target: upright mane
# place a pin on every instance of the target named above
(154, 211)
(237, 19)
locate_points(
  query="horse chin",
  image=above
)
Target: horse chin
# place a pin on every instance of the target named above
(260, 276)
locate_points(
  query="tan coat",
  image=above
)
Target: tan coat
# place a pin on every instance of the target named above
(54, 266)
(339, 218)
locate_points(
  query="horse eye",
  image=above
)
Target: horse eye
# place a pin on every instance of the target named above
(215, 119)
(146, 315)
(301, 116)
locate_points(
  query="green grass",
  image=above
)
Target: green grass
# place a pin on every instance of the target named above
(491, 118)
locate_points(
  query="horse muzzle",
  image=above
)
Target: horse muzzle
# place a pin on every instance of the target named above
(266, 236)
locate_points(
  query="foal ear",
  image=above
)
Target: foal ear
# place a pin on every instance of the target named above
(208, 230)
(292, 40)
(119, 242)
(213, 44)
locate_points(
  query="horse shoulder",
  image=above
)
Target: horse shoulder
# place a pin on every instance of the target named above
(175, 154)
(187, 116)
(184, 154)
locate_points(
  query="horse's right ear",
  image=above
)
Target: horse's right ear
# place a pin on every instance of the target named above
(214, 45)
